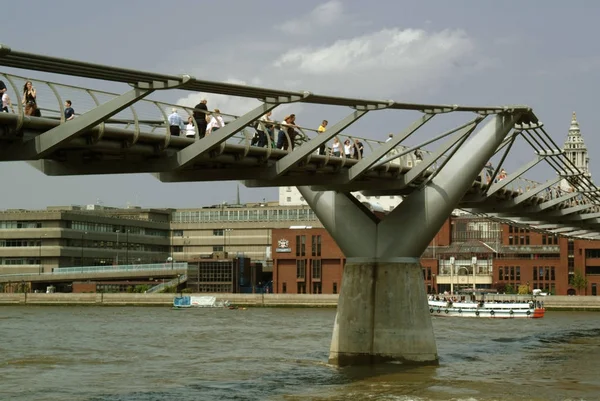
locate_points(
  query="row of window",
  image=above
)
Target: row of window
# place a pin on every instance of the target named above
(317, 288)
(549, 239)
(301, 245)
(509, 273)
(544, 273)
(19, 261)
(518, 240)
(78, 243)
(218, 215)
(19, 243)
(316, 269)
(117, 229)
(517, 230)
(592, 253)
(212, 272)
(513, 273)
(20, 224)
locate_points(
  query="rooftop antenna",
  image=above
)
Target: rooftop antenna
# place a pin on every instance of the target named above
(237, 200)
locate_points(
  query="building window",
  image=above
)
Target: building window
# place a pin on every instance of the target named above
(178, 233)
(316, 269)
(335, 288)
(300, 245)
(510, 229)
(219, 232)
(500, 273)
(543, 239)
(317, 289)
(284, 288)
(301, 269)
(178, 248)
(518, 273)
(527, 240)
(316, 245)
(301, 287)
(594, 289)
(218, 248)
(288, 199)
(510, 240)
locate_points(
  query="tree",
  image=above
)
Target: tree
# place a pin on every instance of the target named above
(509, 289)
(524, 289)
(580, 282)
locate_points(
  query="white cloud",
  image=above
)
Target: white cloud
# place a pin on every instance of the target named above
(382, 62)
(321, 16)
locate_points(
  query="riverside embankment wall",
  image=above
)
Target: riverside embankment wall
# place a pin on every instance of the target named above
(271, 300)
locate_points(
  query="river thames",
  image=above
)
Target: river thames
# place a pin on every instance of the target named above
(151, 354)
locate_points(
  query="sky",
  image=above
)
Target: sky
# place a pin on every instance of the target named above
(542, 53)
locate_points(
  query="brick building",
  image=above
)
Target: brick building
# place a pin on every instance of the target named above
(467, 252)
(306, 261)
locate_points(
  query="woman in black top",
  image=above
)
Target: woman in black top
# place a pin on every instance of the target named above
(28, 93)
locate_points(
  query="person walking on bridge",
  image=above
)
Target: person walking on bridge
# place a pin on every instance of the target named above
(175, 122)
(201, 115)
(69, 112)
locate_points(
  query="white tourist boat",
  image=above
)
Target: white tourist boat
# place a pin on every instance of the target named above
(198, 301)
(507, 310)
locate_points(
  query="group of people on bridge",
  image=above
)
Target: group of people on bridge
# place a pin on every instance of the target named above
(29, 102)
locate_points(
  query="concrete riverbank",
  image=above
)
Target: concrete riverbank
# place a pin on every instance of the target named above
(585, 303)
(270, 300)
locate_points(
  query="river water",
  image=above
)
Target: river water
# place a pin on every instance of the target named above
(151, 354)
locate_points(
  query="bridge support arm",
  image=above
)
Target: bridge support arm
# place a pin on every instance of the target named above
(382, 313)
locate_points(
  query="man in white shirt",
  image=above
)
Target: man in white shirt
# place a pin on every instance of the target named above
(175, 122)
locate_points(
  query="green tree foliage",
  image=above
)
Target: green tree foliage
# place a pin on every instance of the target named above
(580, 282)
(524, 289)
(509, 289)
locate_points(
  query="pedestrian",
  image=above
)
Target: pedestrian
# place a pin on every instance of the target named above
(201, 116)
(348, 149)
(175, 122)
(263, 129)
(321, 130)
(6, 103)
(335, 148)
(216, 122)
(286, 127)
(358, 149)
(29, 93)
(190, 129)
(2, 88)
(69, 112)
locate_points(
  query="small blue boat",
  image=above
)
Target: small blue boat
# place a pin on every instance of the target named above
(182, 302)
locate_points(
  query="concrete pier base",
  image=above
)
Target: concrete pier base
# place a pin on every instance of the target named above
(382, 315)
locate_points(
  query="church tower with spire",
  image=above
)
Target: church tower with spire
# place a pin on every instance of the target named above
(575, 149)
